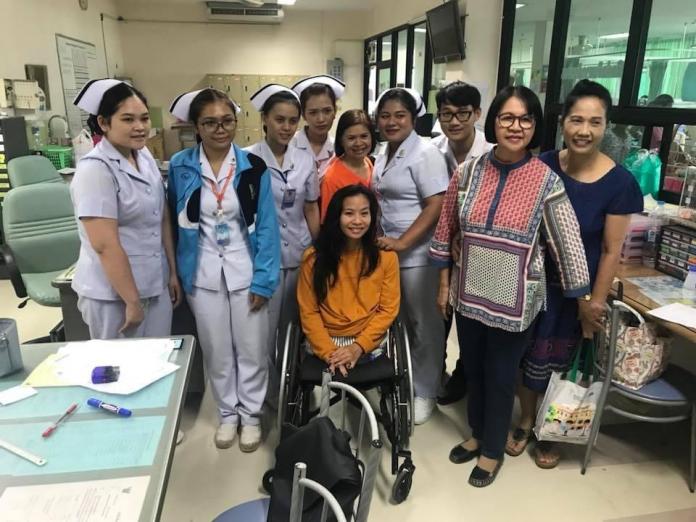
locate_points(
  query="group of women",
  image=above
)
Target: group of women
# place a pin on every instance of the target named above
(519, 249)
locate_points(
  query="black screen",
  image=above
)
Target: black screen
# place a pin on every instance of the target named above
(445, 30)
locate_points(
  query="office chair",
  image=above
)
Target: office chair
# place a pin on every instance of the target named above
(29, 170)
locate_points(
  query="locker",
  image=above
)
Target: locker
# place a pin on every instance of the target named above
(250, 84)
(234, 87)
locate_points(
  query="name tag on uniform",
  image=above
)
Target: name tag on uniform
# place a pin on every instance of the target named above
(288, 197)
(222, 233)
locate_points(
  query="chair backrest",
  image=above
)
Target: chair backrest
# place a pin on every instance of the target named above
(367, 415)
(299, 484)
(29, 170)
(40, 228)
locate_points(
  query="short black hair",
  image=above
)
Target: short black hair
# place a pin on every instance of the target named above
(585, 89)
(348, 119)
(110, 102)
(530, 101)
(459, 94)
(403, 97)
(662, 100)
(205, 97)
(316, 89)
(280, 97)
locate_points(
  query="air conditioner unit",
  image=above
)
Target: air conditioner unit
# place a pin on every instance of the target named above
(240, 13)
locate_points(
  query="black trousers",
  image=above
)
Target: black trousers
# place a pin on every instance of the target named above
(490, 357)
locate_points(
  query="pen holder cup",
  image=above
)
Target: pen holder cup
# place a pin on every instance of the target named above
(10, 355)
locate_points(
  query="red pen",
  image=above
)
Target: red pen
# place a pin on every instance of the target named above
(47, 432)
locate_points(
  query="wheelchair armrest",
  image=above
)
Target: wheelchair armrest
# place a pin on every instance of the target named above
(13, 271)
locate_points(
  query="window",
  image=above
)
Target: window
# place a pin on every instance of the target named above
(401, 56)
(418, 68)
(596, 44)
(531, 45)
(669, 66)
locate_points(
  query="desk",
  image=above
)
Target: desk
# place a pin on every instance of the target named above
(633, 297)
(165, 418)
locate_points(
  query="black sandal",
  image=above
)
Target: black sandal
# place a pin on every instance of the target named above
(520, 435)
(480, 478)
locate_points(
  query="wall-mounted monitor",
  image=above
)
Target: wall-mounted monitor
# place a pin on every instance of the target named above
(446, 32)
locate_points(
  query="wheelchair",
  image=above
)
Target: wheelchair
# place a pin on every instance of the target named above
(390, 373)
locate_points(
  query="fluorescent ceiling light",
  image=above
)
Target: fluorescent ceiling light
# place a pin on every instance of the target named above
(285, 2)
(420, 30)
(517, 6)
(617, 36)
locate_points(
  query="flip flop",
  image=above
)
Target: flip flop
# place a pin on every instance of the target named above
(519, 435)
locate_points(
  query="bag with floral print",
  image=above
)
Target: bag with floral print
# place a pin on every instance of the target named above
(641, 355)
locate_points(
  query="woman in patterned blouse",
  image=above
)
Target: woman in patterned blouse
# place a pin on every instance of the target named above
(508, 208)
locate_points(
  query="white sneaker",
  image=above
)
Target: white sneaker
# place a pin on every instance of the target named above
(422, 409)
(249, 438)
(225, 435)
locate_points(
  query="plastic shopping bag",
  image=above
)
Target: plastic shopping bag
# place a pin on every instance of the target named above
(82, 145)
(646, 167)
(568, 408)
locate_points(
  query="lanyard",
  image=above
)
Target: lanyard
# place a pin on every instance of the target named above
(220, 195)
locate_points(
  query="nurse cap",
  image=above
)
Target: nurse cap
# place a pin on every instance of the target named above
(92, 92)
(260, 97)
(420, 106)
(336, 85)
(181, 106)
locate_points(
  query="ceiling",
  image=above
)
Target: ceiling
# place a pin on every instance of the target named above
(300, 5)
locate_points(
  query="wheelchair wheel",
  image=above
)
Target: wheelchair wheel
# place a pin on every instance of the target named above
(267, 481)
(404, 386)
(403, 482)
(290, 396)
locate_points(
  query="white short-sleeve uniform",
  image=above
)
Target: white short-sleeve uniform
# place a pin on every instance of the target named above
(106, 185)
(478, 148)
(232, 337)
(416, 171)
(297, 174)
(321, 160)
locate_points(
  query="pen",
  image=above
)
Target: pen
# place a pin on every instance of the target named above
(47, 432)
(111, 408)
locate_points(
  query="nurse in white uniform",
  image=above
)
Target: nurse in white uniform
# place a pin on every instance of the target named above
(318, 95)
(296, 190)
(228, 255)
(125, 277)
(410, 179)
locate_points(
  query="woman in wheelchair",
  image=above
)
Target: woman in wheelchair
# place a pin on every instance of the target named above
(348, 289)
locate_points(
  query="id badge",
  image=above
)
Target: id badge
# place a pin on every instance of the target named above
(222, 234)
(288, 197)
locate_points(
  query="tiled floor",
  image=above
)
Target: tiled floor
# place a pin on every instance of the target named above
(638, 472)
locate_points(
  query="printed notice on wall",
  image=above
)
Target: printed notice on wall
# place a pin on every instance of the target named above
(78, 64)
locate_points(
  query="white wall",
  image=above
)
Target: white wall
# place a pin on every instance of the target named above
(28, 37)
(169, 48)
(482, 35)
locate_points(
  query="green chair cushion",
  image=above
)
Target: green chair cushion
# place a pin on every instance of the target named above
(28, 170)
(40, 289)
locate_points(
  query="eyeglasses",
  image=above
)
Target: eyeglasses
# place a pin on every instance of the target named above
(211, 126)
(507, 120)
(446, 116)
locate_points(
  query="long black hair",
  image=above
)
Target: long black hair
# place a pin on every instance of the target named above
(111, 101)
(331, 243)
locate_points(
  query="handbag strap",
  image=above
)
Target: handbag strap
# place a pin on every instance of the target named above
(587, 347)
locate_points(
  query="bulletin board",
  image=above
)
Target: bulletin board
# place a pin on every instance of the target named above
(78, 64)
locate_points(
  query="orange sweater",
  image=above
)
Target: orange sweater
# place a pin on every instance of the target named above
(361, 307)
(337, 176)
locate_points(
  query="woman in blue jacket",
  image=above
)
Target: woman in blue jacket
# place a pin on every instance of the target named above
(228, 252)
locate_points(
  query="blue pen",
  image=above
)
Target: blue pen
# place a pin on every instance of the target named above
(111, 408)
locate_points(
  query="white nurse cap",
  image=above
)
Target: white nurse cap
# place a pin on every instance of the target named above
(259, 98)
(92, 92)
(336, 85)
(420, 106)
(181, 106)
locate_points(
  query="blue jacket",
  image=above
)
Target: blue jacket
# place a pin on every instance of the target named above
(252, 182)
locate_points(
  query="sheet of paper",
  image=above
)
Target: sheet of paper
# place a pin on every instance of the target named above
(45, 374)
(112, 500)
(83, 445)
(52, 402)
(676, 313)
(141, 362)
(664, 290)
(15, 394)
